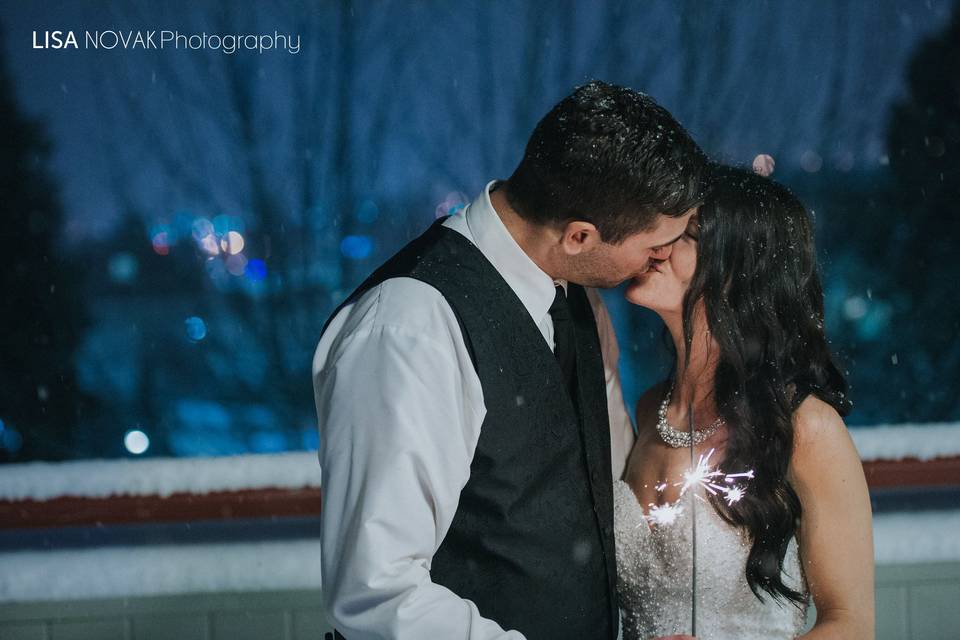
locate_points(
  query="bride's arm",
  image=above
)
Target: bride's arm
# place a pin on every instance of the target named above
(836, 536)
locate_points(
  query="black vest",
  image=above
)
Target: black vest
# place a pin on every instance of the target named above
(531, 543)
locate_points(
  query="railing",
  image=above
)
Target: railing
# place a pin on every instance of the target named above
(74, 511)
(273, 502)
(101, 492)
(913, 473)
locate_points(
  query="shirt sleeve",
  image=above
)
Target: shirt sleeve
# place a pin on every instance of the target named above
(398, 422)
(621, 428)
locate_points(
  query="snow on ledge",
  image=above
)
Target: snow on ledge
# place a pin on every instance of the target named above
(117, 572)
(165, 476)
(158, 476)
(916, 537)
(896, 442)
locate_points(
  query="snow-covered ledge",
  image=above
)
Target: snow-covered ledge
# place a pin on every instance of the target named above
(909, 455)
(907, 441)
(161, 477)
(153, 570)
(165, 477)
(87, 492)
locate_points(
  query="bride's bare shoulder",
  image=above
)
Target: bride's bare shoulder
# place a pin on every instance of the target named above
(816, 421)
(822, 443)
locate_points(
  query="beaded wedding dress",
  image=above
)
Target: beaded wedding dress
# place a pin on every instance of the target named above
(654, 577)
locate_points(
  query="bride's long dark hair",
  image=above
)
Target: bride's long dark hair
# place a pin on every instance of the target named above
(757, 276)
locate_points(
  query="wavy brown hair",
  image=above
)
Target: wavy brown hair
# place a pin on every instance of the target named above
(757, 276)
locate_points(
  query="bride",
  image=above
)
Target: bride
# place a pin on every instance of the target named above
(741, 299)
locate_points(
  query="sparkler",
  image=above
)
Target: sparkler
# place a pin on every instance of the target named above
(700, 467)
(703, 475)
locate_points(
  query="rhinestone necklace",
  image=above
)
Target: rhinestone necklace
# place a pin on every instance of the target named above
(677, 438)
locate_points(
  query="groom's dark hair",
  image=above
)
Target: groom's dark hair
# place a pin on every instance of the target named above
(610, 156)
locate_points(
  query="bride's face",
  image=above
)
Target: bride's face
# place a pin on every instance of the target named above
(662, 288)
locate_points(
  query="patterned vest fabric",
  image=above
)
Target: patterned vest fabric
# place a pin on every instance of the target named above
(531, 543)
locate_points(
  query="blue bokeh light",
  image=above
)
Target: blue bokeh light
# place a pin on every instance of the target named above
(310, 439)
(123, 267)
(201, 228)
(10, 439)
(368, 212)
(256, 269)
(356, 247)
(196, 328)
(223, 224)
(268, 442)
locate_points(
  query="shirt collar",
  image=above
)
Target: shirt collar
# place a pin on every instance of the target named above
(532, 285)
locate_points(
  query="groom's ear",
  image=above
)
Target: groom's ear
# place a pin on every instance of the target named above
(579, 236)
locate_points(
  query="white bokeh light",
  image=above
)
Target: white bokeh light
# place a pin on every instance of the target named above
(136, 441)
(232, 243)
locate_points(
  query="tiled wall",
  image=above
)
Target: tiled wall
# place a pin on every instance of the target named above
(913, 602)
(919, 601)
(284, 615)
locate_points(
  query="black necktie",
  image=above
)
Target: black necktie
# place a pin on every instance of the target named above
(563, 338)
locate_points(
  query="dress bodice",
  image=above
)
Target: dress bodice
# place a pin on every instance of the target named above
(654, 563)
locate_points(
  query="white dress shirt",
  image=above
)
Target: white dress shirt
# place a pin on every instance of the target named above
(399, 409)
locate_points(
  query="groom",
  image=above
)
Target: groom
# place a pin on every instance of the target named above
(467, 391)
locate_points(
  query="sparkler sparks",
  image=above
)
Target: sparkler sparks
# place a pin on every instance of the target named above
(702, 475)
(663, 514)
(734, 494)
(708, 477)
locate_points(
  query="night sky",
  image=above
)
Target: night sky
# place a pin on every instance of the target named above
(774, 77)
